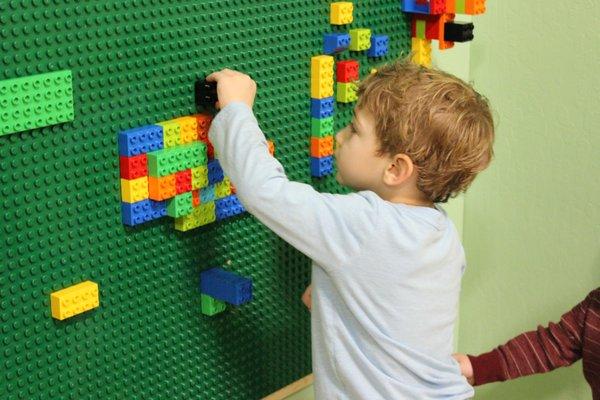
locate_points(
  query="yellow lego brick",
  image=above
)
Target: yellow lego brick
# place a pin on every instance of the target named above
(223, 188)
(74, 300)
(341, 13)
(202, 215)
(134, 190)
(199, 177)
(346, 92)
(171, 133)
(360, 39)
(189, 129)
(321, 76)
(421, 52)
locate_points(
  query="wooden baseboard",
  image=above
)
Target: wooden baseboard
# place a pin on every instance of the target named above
(291, 388)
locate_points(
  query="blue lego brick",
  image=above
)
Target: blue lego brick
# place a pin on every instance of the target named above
(321, 166)
(335, 42)
(226, 286)
(321, 108)
(207, 194)
(228, 207)
(415, 6)
(142, 211)
(379, 46)
(140, 140)
(215, 172)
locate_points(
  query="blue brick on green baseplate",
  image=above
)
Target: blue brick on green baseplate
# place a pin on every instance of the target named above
(321, 166)
(133, 64)
(335, 42)
(226, 286)
(140, 140)
(379, 46)
(215, 172)
(228, 207)
(322, 108)
(142, 211)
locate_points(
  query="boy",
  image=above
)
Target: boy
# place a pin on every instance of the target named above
(387, 262)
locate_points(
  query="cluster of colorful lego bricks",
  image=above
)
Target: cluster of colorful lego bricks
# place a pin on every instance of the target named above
(218, 287)
(36, 101)
(135, 63)
(434, 20)
(74, 300)
(166, 170)
(347, 76)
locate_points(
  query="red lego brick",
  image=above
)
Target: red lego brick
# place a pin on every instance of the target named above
(437, 6)
(195, 198)
(133, 167)
(347, 71)
(210, 150)
(183, 181)
(434, 29)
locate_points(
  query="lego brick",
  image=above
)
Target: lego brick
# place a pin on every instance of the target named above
(346, 71)
(134, 190)
(203, 122)
(321, 147)
(474, 7)
(133, 214)
(360, 39)
(271, 148)
(223, 188)
(215, 172)
(189, 129)
(458, 31)
(162, 188)
(379, 46)
(228, 207)
(211, 306)
(322, 108)
(460, 7)
(36, 101)
(431, 7)
(207, 194)
(346, 92)
(335, 42)
(226, 286)
(171, 133)
(321, 76)
(203, 214)
(205, 94)
(195, 198)
(133, 167)
(418, 28)
(421, 52)
(199, 177)
(322, 166)
(321, 127)
(74, 300)
(434, 29)
(183, 181)
(140, 140)
(341, 13)
(180, 205)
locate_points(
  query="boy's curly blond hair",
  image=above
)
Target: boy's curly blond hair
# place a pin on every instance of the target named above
(439, 121)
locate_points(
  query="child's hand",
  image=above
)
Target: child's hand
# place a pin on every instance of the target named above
(307, 297)
(466, 369)
(233, 86)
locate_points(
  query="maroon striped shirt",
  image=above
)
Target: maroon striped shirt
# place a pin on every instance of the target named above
(576, 336)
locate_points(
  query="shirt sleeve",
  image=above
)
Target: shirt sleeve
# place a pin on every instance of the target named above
(327, 228)
(543, 350)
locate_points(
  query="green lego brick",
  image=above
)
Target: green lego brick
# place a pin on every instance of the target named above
(321, 127)
(202, 215)
(180, 205)
(134, 63)
(420, 27)
(461, 7)
(211, 306)
(36, 101)
(360, 39)
(346, 92)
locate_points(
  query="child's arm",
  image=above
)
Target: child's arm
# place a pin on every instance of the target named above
(327, 228)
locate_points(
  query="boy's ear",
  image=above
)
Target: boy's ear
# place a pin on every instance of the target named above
(399, 170)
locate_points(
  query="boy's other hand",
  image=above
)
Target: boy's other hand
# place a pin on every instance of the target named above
(466, 369)
(307, 297)
(233, 86)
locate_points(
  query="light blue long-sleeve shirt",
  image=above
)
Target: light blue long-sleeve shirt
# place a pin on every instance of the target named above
(386, 276)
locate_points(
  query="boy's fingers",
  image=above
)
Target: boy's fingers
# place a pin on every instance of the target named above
(214, 77)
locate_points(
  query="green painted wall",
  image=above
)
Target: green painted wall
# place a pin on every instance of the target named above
(532, 221)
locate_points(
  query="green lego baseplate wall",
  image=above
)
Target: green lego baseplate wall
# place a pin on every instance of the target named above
(134, 63)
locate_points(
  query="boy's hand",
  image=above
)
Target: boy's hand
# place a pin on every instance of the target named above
(307, 297)
(233, 86)
(466, 369)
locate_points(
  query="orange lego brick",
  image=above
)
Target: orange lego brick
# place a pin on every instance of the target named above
(162, 188)
(321, 147)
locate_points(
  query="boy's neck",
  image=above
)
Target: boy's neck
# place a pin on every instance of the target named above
(405, 195)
